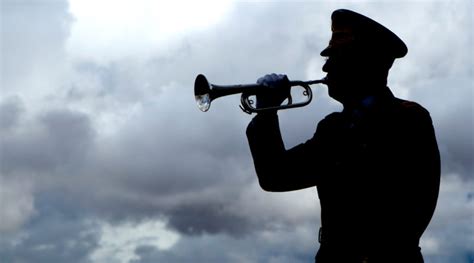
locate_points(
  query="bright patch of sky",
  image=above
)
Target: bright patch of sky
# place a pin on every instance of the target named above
(119, 242)
(111, 29)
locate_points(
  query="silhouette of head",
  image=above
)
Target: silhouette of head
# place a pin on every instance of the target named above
(359, 56)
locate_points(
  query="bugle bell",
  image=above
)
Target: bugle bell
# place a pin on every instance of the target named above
(205, 93)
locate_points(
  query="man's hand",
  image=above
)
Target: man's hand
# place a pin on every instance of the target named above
(278, 90)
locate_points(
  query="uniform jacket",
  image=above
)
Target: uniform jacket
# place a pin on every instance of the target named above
(376, 168)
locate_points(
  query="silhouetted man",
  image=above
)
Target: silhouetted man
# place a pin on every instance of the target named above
(376, 164)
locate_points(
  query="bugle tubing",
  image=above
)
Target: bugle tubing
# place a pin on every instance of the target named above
(205, 93)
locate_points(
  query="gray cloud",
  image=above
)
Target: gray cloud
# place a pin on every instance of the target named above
(11, 110)
(260, 247)
(16, 205)
(57, 140)
(442, 82)
(453, 118)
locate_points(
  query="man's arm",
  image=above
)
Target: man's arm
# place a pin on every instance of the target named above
(423, 159)
(279, 169)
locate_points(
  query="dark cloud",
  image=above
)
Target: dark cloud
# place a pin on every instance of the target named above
(450, 236)
(57, 141)
(208, 218)
(55, 234)
(11, 110)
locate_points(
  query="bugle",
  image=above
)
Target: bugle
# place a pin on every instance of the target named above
(205, 93)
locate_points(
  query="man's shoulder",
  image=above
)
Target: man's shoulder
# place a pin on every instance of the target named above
(411, 114)
(407, 108)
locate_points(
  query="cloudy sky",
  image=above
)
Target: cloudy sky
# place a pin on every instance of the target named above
(104, 156)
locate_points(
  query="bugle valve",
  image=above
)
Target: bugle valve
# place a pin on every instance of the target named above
(205, 93)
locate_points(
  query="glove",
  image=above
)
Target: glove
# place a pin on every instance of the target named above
(276, 91)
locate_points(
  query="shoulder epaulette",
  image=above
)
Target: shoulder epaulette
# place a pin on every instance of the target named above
(409, 104)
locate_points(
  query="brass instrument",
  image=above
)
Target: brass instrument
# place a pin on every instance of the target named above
(205, 93)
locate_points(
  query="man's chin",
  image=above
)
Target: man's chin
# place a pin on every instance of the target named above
(337, 97)
(332, 88)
